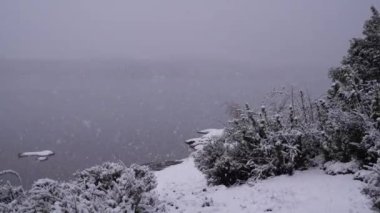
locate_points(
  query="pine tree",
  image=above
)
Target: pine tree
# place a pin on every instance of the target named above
(363, 59)
(353, 121)
(356, 82)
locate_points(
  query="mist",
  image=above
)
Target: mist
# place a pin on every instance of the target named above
(103, 81)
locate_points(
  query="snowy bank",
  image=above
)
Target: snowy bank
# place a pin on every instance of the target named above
(208, 135)
(184, 189)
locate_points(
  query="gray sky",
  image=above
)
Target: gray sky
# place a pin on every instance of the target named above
(249, 30)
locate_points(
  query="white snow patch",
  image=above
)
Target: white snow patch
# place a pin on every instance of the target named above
(41, 155)
(42, 158)
(208, 135)
(184, 189)
(334, 167)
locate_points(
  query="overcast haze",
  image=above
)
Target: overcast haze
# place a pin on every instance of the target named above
(260, 31)
(126, 80)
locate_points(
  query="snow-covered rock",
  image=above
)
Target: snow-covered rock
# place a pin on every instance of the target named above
(40, 155)
(184, 189)
(335, 167)
(208, 135)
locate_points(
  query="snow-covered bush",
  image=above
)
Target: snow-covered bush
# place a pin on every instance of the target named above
(110, 187)
(336, 167)
(344, 127)
(117, 187)
(373, 187)
(363, 54)
(356, 82)
(258, 145)
(8, 192)
(47, 195)
(371, 143)
(353, 101)
(344, 132)
(353, 125)
(364, 175)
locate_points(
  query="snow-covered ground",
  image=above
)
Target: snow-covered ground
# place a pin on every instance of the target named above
(311, 191)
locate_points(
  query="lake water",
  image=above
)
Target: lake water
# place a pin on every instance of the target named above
(92, 111)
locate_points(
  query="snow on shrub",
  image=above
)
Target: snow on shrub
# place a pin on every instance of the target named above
(365, 176)
(373, 187)
(9, 192)
(344, 132)
(335, 168)
(47, 195)
(110, 187)
(257, 146)
(118, 186)
(356, 93)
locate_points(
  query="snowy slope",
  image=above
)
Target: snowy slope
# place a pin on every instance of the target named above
(312, 191)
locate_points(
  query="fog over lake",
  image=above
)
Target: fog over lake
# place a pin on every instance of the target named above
(132, 80)
(94, 111)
